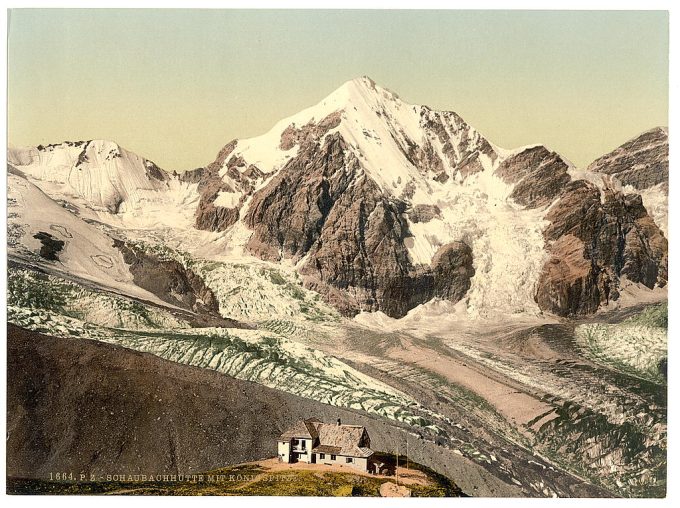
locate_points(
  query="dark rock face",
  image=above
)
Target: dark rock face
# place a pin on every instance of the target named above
(567, 284)
(593, 241)
(423, 213)
(82, 156)
(452, 270)
(287, 215)
(323, 206)
(211, 217)
(641, 162)
(360, 250)
(152, 170)
(50, 247)
(446, 125)
(169, 280)
(292, 135)
(539, 176)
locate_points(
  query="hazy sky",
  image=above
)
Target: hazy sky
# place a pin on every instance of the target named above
(176, 85)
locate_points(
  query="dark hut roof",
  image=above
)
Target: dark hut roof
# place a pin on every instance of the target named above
(345, 437)
(302, 429)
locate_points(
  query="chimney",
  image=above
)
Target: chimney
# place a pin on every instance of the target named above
(339, 422)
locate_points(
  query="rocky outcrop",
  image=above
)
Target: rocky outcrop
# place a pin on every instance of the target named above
(210, 217)
(447, 129)
(50, 246)
(169, 280)
(359, 262)
(594, 239)
(470, 146)
(539, 176)
(641, 162)
(239, 179)
(423, 213)
(203, 176)
(153, 172)
(567, 285)
(288, 214)
(426, 159)
(452, 270)
(310, 132)
(323, 207)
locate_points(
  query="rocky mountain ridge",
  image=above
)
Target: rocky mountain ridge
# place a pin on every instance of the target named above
(383, 206)
(641, 162)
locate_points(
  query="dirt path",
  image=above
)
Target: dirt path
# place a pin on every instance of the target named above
(406, 476)
(389, 489)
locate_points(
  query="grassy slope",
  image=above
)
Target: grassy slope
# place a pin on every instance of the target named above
(242, 480)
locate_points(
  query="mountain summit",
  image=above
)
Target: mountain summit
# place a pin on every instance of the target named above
(381, 205)
(396, 142)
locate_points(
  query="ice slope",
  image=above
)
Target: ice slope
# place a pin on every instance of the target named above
(655, 200)
(506, 240)
(87, 254)
(109, 183)
(106, 176)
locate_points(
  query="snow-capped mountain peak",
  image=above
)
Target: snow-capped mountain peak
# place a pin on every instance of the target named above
(382, 205)
(104, 180)
(395, 142)
(101, 172)
(357, 90)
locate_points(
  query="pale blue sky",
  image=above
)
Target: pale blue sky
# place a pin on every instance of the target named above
(176, 85)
